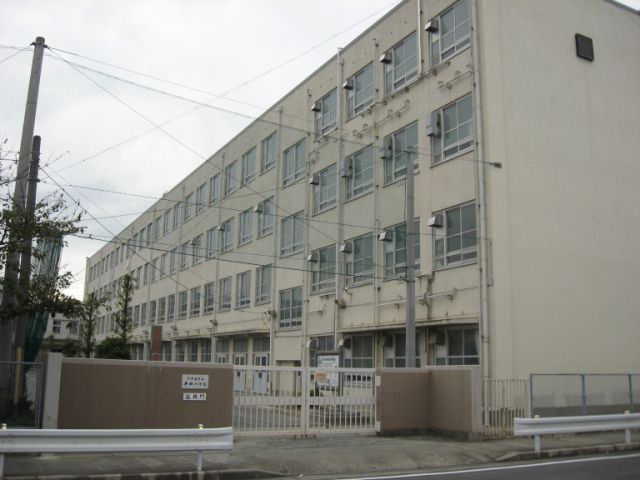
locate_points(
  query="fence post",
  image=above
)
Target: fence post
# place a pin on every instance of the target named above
(631, 393)
(584, 395)
(531, 395)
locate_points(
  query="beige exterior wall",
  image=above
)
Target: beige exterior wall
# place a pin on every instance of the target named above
(560, 211)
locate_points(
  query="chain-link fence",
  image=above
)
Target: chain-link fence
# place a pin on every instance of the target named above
(20, 399)
(556, 395)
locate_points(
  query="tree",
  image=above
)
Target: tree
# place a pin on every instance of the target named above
(123, 313)
(87, 314)
(113, 347)
(69, 348)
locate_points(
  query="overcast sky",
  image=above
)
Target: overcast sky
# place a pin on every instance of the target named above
(96, 142)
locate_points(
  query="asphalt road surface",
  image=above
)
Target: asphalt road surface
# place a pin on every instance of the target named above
(612, 467)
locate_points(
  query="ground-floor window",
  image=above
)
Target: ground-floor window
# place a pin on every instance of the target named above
(358, 351)
(395, 354)
(166, 351)
(455, 346)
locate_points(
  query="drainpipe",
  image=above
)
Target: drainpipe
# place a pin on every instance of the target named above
(481, 201)
(276, 248)
(419, 30)
(339, 267)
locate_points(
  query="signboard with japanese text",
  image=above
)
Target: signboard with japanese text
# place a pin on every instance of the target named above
(194, 396)
(197, 382)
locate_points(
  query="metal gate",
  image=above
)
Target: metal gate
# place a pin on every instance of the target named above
(303, 401)
(506, 400)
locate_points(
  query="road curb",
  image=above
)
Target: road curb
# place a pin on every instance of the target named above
(569, 452)
(208, 475)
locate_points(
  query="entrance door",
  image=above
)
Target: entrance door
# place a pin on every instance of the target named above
(240, 377)
(261, 375)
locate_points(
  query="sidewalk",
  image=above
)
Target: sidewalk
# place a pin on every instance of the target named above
(338, 455)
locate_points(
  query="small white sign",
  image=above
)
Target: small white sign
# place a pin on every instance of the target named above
(195, 381)
(194, 396)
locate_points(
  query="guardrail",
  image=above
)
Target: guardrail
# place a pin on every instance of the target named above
(538, 426)
(132, 440)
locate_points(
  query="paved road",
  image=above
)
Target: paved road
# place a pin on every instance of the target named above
(620, 467)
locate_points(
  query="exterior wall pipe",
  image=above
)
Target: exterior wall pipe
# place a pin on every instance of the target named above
(216, 288)
(420, 33)
(481, 200)
(276, 241)
(339, 267)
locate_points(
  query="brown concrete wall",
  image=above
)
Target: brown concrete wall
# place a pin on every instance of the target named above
(98, 393)
(450, 399)
(403, 400)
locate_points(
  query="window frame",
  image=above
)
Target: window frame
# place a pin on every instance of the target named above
(263, 284)
(323, 269)
(294, 163)
(326, 120)
(213, 242)
(297, 229)
(353, 108)
(266, 227)
(393, 269)
(394, 156)
(209, 297)
(353, 191)
(195, 297)
(183, 304)
(249, 165)
(196, 250)
(435, 38)
(268, 153)
(440, 261)
(362, 277)
(243, 289)
(214, 189)
(462, 145)
(394, 82)
(227, 230)
(327, 182)
(230, 178)
(245, 227)
(201, 198)
(224, 296)
(288, 306)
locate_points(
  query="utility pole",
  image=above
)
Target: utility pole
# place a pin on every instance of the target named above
(409, 238)
(8, 329)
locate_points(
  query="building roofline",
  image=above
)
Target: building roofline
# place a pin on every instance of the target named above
(623, 6)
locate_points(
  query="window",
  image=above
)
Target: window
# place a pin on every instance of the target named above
(163, 265)
(176, 216)
(206, 351)
(173, 260)
(153, 310)
(292, 234)
(171, 307)
(196, 246)
(222, 350)
(183, 300)
(290, 307)
(249, 166)
(245, 227)
(193, 350)
(359, 172)
(294, 163)
(396, 150)
(243, 289)
(184, 255)
(360, 91)
(195, 301)
(452, 130)
(230, 178)
(326, 113)
(451, 32)
(360, 355)
(154, 269)
(227, 235)
(461, 347)
(320, 344)
(134, 244)
(166, 219)
(156, 230)
(455, 241)
(323, 269)
(147, 239)
(136, 315)
(265, 217)
(57, 326)
(402, 66)
(140, 241)
(268, 153)
(212, 242)
(180, 347)
(165, 351)
(201, 193)
(145, 274)
(225, 293)
(324, 189)
(214, 189)
(209, 297)
(359, 259)
(162, 309)
(395, 250)
(263, 284)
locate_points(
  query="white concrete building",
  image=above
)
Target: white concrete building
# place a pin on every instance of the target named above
(524, 135)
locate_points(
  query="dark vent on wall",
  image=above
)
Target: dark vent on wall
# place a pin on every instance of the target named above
(584, 47)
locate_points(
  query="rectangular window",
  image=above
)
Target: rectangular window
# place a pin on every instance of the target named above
(452, 130)
(359, 172)
(163, 265)
(134, 244)
(212, 242)
(195, 301)
(206, 351)
(196, 250)
(149, 235)
(461, 347)
(193, 350)
(154, 269)
(402, 67)
(323, 269)
(268, 153)
(157, 229)
(173, 254)
(214, 189)
(188, 207)
(249, 166)
(166, 222)
(201, 198)
(326, 113)
(450, 32)
(359, 259)
(176, 215)
(153, 306)
(57, 326)
(230, 178)
(455, 241)
(395, 352)
(180, 347)
(320, 344)
(245, 227)
(162, 309)
(265, 217)
(145, 274)
(209, 297)
(227, 235)
(263, 284)
(136, 315)
(361, 352)
(294, 163)
(183, 304)
(185, 251)
(325, 189)
(398, 147)
(395, 250)
(171, 307)
(243, 289)
(292, 234)
(140, 240)
(360, 91)
(225, 293)
(290, 312)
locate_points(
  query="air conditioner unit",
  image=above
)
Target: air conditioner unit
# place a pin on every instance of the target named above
(257, 208)
(385, 236)
(345, 248)
(348, 84)
(386, 145)
(346, 343)
(434, 124)
(313, 257)
(437, 338)
(221, 228)
(386, 57)
(317, 106)
(340, 303)
(436, 221)
(431, 26)
(314, 180)
(347, 166)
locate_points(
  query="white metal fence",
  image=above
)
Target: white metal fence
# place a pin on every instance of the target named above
(303, 401)
(506, 400)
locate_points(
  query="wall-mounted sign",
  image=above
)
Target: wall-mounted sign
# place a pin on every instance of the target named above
(194, 396)
(192, 381)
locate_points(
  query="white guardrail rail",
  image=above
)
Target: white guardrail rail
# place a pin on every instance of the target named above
(589, 423)
(134, 440)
